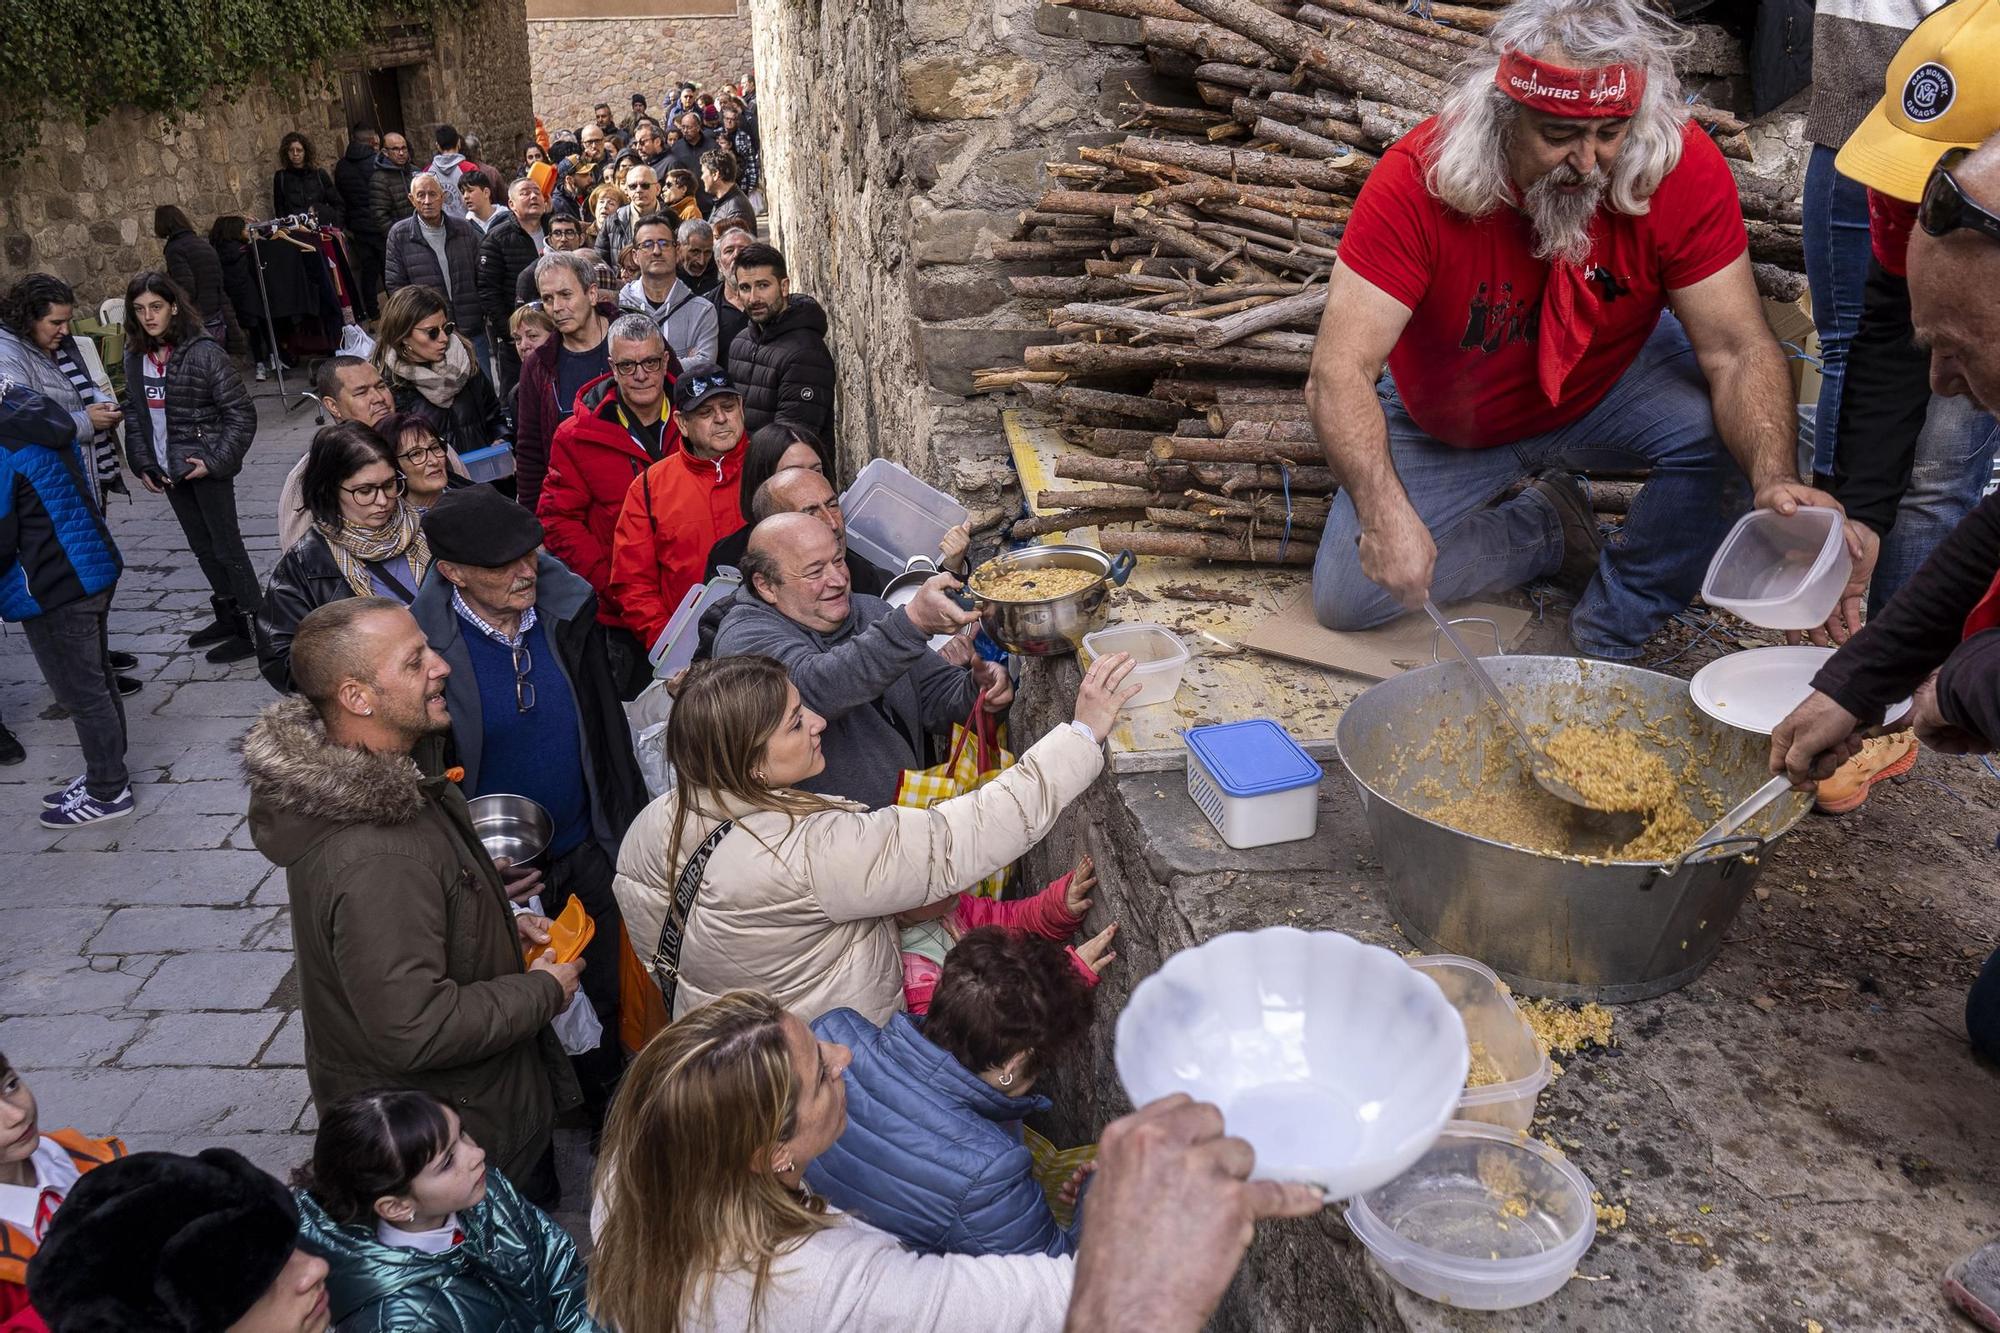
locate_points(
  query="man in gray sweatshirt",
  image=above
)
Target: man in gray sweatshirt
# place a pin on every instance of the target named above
(864, 666)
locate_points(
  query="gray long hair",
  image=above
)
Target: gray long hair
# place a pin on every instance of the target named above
(1468, 159)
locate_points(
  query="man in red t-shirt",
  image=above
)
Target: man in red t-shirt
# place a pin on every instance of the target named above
(1510, 260)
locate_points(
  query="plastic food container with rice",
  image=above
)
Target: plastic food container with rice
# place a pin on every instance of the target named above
(1158, 658)
(1488, 1219)
(1253, 781)
(1509, 1068)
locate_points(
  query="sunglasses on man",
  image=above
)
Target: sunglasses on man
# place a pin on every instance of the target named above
(1946, 207)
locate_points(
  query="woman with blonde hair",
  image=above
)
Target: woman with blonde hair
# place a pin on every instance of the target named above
(605, 201)
(736, 879)
(434, 371)
(703, 1223)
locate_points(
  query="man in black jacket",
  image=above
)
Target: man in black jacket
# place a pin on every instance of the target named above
(781, 360)
(534, 712)
(352, 176)
(505, 253)
(389, 186)
(431, 248)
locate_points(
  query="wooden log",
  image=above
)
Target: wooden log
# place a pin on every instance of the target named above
(1109, 441)
(1470, 17)
(1187, 120)
(1148, 322)
(1072, 236)
(1106, 359)
(1135, 9)
(1248, 110)
(1206, 41)
(1045, 288)
(1040, 525)
(1280, 340)
(1344, 65)
(1035, 217)
(1323, 106)
(1390, 16)
(1157, 267)
(1227, 75)
(1011, 251)
(1149, 474)
(1294, 202)
(1778, 284)
(1262, 421)
(1000, 378)
(1263, 525)
(1155, 230)
(1304, 143)
(1305, 305)
(1176, 448)
(1088, 202)
(1715, 118)
(1206, 546)
(1101, 497)
(1440, 61)
(1240, 164)
(1386, 122)
(1777, 243)
(1258, 504)
(1074, 399)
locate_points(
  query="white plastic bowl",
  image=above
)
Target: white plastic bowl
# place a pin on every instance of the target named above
(1781, 571)
(1446, 1233)
(1158, 658)
(1336, 1061)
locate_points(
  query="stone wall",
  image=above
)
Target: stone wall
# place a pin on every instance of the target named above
(580, 62)
(901, 140)
(82, 205)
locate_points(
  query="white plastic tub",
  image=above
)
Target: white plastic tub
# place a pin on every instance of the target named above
(1781, 571)
(1158, 658)
(1253, 782)
(891, 516)
(1486, 1220)
(1493, 1028)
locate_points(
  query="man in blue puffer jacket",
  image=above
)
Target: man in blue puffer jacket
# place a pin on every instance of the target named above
(58, 567)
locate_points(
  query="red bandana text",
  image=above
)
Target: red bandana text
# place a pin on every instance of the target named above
(1609, 90)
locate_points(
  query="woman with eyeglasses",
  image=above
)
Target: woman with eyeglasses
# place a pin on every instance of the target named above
(365, 541)
(430, 367)
(428, 464)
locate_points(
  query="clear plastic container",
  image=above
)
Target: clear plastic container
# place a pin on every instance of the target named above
(1486, 1220)
(493, 463)
(1158, 658)
(1497, 1035)
(1254, 782)
(677, 642)
(1780, 571)
(892, 516)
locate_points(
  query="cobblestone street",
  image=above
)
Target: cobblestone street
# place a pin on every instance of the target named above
(146, 984)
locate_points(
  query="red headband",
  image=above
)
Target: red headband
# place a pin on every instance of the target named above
(1610, 90)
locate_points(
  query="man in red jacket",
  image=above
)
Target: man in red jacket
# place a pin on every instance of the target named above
(621, 427)
(682, 505)
(557, 371)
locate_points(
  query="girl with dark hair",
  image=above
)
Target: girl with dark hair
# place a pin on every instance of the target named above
(782, 907)
(37, 1171)
(933, 1154)
(433, 370)
(419, 1232)
(193, 263)
(300, 185)
(366, 541)
(188, 423)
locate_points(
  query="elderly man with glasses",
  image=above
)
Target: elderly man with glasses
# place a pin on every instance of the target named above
(431, 248)
(535, 713)
(642, 185)
(686, 319)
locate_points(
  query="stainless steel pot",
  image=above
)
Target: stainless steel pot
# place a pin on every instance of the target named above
(514, 827)
(1552, 925)
(1054, 625)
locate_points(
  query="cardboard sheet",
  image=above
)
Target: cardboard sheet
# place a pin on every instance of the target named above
(1387, 650)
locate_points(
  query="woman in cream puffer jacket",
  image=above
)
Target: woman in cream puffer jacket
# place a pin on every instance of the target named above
(798, 898)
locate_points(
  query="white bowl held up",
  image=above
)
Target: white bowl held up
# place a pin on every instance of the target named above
(1336, 1061)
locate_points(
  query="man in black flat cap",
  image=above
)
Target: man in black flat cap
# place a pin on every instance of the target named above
(534, 712)
(160, 1243)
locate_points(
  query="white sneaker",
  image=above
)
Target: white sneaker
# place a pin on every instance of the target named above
(262, 373)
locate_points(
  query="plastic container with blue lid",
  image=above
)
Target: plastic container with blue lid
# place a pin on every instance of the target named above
(1253, 781)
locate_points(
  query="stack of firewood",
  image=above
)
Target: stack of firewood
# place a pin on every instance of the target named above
(1197, 255)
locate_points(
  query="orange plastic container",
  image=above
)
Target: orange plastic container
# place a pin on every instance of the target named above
(568, 934)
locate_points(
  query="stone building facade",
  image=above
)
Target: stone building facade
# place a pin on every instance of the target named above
(901, 140)
(588, 51)
(81, 206)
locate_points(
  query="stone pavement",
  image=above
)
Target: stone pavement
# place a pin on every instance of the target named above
(146, 983)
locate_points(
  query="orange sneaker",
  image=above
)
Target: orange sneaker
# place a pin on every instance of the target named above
(1881, 757)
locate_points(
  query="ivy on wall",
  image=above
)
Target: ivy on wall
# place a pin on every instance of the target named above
(83, 59)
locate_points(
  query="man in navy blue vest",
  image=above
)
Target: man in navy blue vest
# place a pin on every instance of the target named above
(534, 713)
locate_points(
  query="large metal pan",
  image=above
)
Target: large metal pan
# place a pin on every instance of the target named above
(1053, 625)
(1552, 925)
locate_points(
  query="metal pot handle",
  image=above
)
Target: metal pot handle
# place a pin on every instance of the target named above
(917, 562)
(1746, 844)
(1122, 566)
(1437, 637)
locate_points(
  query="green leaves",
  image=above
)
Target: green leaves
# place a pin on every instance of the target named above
(81, 61)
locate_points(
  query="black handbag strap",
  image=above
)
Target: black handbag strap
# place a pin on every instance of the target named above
(673, 931)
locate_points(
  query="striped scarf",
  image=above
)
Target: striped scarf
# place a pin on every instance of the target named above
(354, 549)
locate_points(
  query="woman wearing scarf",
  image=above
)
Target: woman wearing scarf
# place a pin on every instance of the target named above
(365, 541)
(431, 369)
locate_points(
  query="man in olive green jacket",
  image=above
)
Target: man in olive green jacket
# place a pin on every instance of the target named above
(409, 955)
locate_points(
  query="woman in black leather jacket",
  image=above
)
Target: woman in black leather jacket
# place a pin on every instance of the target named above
(299, 185)
(430, 367)
(188, 423)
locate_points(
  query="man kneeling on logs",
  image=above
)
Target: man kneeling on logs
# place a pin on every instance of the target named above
(1510, 260)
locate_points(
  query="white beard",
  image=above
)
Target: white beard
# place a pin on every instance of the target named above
(1562, 220)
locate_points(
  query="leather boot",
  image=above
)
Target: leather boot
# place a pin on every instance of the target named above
(221, 628)
(241, 643)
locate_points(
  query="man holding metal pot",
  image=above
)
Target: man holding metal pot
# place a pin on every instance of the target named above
(863, 665)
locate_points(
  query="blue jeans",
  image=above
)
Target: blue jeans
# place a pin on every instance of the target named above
(1982, 1010)
(1657, 414)
(70, 647)
(1836, 241)
(482, 356)
(1954, 462)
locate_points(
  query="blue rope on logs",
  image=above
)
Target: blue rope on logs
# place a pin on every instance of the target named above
(1285, 480)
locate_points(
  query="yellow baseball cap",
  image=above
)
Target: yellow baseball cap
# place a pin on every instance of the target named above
(1941, 94)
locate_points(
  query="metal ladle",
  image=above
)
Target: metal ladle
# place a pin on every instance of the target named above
(1612, 823)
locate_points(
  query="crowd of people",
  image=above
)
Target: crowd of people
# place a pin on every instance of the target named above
(803, 1046)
